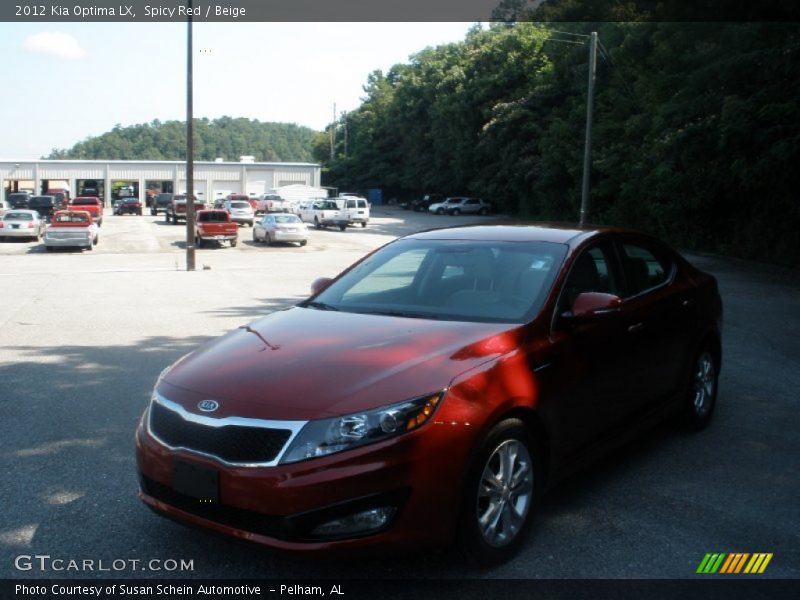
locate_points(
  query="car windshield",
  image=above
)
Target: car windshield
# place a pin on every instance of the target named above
(18, 216)
(454, 280)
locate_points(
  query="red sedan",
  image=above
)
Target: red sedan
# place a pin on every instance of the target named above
(432, 391)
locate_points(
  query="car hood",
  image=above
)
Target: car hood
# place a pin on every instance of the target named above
(304, 363)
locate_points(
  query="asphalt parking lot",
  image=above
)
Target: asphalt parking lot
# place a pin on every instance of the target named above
(83, 336)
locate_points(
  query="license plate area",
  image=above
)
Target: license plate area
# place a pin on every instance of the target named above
(195, 481)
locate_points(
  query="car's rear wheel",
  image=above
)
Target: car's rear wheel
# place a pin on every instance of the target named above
(233, 243)
(439, 211)
(303, 242)
(363, 224)
(499, 497)
(701, 397)
(455, 212)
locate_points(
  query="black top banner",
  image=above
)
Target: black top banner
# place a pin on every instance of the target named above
(395, 10)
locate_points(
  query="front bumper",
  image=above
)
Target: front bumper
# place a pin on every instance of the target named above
(418, 474)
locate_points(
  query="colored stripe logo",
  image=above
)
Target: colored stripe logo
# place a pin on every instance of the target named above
(734, 563)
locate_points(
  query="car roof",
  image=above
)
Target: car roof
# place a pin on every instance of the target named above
(559, 233)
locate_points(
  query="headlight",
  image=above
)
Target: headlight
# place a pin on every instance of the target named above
(326, 436)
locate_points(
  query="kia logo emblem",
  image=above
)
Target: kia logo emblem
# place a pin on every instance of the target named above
(208, 405)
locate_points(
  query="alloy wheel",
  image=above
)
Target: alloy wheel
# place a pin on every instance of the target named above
(505, 493)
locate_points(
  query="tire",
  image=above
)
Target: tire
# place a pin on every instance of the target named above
(233, 243)
(701, 394)
(510, 497)
(342, 227)
(267, 239)
(198, 242)
(363, 224)
(484, 211)
(90, 247)
(303, 243)
(439, 211)
(153, 213)
(255, 238)
(317, 224)
(166, 217)
(49, 248)
(455, 212)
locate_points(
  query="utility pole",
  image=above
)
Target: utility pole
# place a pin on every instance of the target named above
(344, 117)
(189, 148)
(587, 151)
(333, 131)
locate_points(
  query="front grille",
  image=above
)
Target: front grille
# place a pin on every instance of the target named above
(230, 443)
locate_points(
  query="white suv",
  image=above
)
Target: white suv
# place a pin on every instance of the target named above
(241, 211)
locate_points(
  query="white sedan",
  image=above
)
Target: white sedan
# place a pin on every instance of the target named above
(280, 227)
(21, 224)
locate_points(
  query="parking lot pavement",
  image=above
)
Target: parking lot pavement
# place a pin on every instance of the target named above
(84, 335)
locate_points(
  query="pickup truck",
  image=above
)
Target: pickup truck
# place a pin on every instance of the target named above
(323, 213)
(90, 204)
(216, 225)
(71, 228)
(176, 211)
(272, 203)
(161, 203)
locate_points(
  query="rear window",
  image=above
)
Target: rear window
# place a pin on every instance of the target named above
(213, 217)
(18, 216)
(240, 205)
(84, 202)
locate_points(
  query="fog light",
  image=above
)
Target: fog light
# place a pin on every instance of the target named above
(360, 522)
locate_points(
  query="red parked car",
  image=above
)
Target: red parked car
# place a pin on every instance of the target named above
(432, 391)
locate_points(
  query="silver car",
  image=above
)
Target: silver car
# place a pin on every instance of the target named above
(21, 224)
(241, 211)
(280, 227)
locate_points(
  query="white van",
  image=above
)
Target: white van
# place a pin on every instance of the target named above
(357, 209)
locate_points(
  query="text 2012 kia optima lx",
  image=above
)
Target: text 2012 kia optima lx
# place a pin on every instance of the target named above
(433, 390)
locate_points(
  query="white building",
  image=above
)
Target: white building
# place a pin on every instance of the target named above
(104, 176)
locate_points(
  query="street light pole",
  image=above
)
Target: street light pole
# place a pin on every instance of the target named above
(587, 150)
(189, 148)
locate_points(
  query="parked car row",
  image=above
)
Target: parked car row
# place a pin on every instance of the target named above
(67, 228)
(461, 204)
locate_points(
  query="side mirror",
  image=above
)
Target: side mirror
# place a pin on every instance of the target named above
(590, 305)
(320, 284)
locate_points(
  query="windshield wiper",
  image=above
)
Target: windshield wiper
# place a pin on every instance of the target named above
(400, 313)
(318, 305)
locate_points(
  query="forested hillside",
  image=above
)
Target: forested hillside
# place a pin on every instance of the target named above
(696, 128)
(224, 137)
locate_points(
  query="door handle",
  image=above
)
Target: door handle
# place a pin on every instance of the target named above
(635, 327)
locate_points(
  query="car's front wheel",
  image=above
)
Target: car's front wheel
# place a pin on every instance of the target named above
(701, 397)
(499, 497)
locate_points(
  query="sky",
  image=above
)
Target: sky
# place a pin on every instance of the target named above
(65, 82)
